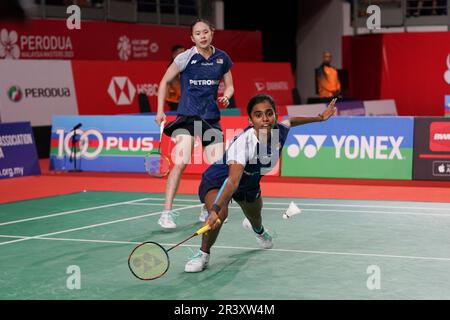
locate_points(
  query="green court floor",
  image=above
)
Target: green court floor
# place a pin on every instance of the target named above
(333, 249)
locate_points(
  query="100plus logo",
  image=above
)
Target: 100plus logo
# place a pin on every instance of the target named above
(348, 146)
(91, 143)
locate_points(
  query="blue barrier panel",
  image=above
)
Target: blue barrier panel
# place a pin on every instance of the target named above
(18, 155)
(351, 147)
(102, 143)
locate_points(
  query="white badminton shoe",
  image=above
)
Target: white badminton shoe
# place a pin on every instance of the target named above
(198, 262)
(203, 215)
(264, 240)
(167, 220)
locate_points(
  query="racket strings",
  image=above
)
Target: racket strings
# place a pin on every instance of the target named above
(148, 261)
(157, 164)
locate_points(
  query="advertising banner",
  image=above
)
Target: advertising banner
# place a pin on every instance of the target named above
(347, 108)
(431, 149)
(102, 143)
(113, 87)
(351, 147)
(35, 90)
(18, 155)
(350, 108)
(380, 107)
(119, 143)
(98, 40)
(253, 78)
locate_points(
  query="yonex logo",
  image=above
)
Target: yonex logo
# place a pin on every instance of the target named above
(15, 94)
(311, 149)
(350, 147)
(121, 90)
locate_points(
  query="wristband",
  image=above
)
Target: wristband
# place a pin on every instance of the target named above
(216, 208)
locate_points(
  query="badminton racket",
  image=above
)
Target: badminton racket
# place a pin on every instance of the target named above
(155, 163)
(150, 260)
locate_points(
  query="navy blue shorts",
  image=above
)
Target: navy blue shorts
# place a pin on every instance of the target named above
(240, 196)
(187, 123)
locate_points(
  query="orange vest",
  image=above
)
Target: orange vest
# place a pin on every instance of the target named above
(173, 91)
(329, 85)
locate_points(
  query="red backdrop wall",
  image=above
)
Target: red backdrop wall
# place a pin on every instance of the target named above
(407, 67)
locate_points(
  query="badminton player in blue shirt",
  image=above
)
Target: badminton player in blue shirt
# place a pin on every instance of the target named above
(201, 68)
(237, 176)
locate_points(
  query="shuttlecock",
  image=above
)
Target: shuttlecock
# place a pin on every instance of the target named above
(291, 211)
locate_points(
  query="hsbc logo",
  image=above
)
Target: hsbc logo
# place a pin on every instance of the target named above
(349, 147)
(440, 136)
(121, 90)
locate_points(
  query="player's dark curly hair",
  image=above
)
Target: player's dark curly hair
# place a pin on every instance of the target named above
(258, 99)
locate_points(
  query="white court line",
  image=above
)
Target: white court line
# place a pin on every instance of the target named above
(282, 210)
(133, 202)
(72, 211)
(242, 248)
(155, 204)
(71, 239)
(95, 225)
(328, 204)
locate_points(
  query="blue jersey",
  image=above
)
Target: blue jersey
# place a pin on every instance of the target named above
(256, 159)
(199, 82)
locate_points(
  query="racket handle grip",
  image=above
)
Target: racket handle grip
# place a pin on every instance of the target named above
(202, 230)
(206, 228)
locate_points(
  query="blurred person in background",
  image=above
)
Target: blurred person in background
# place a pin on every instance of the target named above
(173, 87)
(328, 84)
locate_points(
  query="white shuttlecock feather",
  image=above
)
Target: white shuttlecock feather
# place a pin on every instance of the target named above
(292, 210)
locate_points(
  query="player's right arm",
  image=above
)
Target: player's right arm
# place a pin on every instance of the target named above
(170, 74)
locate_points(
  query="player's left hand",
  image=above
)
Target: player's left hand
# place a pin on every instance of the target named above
(329, 111)
(224, 101)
